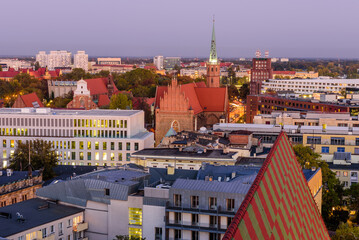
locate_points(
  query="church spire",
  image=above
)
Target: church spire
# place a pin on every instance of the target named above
(213, 54)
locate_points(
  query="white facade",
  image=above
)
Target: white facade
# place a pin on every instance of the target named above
(158, 61)
(54, 59)
(109, 61)
(309, 86)
(80, 137)
(41, 58)
(193, 72)
(81, 60)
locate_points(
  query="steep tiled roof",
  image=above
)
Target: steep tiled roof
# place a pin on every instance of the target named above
(29, 99)
(103, 100)
(97, 86)
(201, 98)
(8, 74)
(279, 204)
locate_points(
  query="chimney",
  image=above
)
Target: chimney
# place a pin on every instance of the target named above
(170, 170)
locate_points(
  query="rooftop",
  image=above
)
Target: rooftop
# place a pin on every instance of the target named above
(15, 176)
(35, 212)
(67, 112)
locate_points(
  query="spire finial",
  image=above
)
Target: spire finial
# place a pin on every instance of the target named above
(213, 52)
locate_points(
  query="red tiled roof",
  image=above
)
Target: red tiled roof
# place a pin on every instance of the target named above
(28, 100)
(279, 204)
(284, 72)
(212, 99)
(150, 101)
(54, 73)
(199, 96)
(103, 100)
(150, 67)
(8, 74)
(97, 86)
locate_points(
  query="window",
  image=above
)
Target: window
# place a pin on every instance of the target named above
(89, 156)
(128, 156)
(346, 184)
(345, 174)
(120, 146)
(81, 145)
(337, 173)
(4, 143)
(354, 175)
(69, 223)
(73, 144)
(229, 220)
(104, 156)
(107, 191)
(81, 155)
(177, 200)
(325, 149)
(213, 221)
(212, 203)
(158, 233)
(120, 157)
(96, 146)
(230, 204)
(136, 146)
(195, 219)
(195, 235)
(104, 145)
(178, 217)
(73, 155)
(128, 146)
(194, 201)
(135, 216)
(356, 150)
(178, 234)
(314, 140)
(60, 229)
(337, 141)
(214, 236)
(52, 229)
(341, 149)
(112, 146)
(43, 231)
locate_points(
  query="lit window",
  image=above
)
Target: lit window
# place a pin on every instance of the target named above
(135, 232)
(135, 216)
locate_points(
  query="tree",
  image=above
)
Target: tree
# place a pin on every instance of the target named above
(347, 232)
(120, 101)
(42, 155)
(332, 189)
(143, 105)
(244, 91)
(37, 66)
(233, 92)
(0, 68)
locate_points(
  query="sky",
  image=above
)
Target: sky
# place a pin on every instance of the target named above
(286, 28)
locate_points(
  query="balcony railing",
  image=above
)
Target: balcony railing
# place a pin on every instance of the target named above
(195, 226)
(80, 227)
(218, 210)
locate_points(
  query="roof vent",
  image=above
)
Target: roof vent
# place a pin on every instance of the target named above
(19, 217)
(9, 172)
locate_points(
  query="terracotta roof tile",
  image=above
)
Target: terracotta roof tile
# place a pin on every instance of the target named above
(29, 99)
(103, 100)
(212, 99)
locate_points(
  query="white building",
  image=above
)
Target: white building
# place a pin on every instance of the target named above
(39, 219)
(158, 61)
(309, 86)
(193, 72)
(54, 59)
(80, 137)
(81, 60)
(109, 61)
(41, 58)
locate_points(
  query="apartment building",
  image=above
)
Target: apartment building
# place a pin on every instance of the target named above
(55, 59)
(81, 60)
(80, 137)
(158, 62)
(40, 219)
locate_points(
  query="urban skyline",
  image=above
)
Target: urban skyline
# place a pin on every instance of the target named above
(308, 31)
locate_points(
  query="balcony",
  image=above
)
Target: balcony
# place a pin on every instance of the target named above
(80, 227)
(217, 211)
(197, 226)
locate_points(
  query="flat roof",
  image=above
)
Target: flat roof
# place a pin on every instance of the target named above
(15, 176)
(32, 215)
(66, 112)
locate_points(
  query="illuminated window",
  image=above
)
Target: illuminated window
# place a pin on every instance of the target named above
(81, 145)
(81, 156)
(12, 143)
(73, 144)
(89, 145)
(112, 157)
(96, 145)
(135, 232)
(128, 146)
(89, 156)
(97, 156)
(119, 156)
(4, 143)
(135, 216)
(104, 145)
(104, 156)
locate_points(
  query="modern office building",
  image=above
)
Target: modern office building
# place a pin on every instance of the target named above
(80, 137)
(109, 61)
(81, 60)
(309, 86)
(158, 62)
(170, 62)
(41, 219)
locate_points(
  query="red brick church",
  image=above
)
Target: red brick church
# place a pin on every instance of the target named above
(194, 105)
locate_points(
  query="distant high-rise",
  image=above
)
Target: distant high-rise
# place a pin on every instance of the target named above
(158, 62)
(170, 63)
(41, 58)
(81, 60)
(213, 66)
(261, 71)
(54, 59)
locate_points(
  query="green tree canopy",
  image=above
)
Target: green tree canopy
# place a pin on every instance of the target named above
(347, 232)
(42, 155)
(244, 91)
(120, 101)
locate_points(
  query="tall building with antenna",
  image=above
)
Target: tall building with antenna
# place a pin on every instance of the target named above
(261, 71)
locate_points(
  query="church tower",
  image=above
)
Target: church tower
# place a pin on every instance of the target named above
(213, 66)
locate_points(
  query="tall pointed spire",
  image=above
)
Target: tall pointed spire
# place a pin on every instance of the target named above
(213, 54)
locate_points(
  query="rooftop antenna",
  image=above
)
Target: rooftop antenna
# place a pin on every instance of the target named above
(258, 53)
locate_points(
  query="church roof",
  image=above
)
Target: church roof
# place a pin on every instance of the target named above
(103, 100)
(98, 86)
(279, 204)
(31, 100)
(201, 98)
